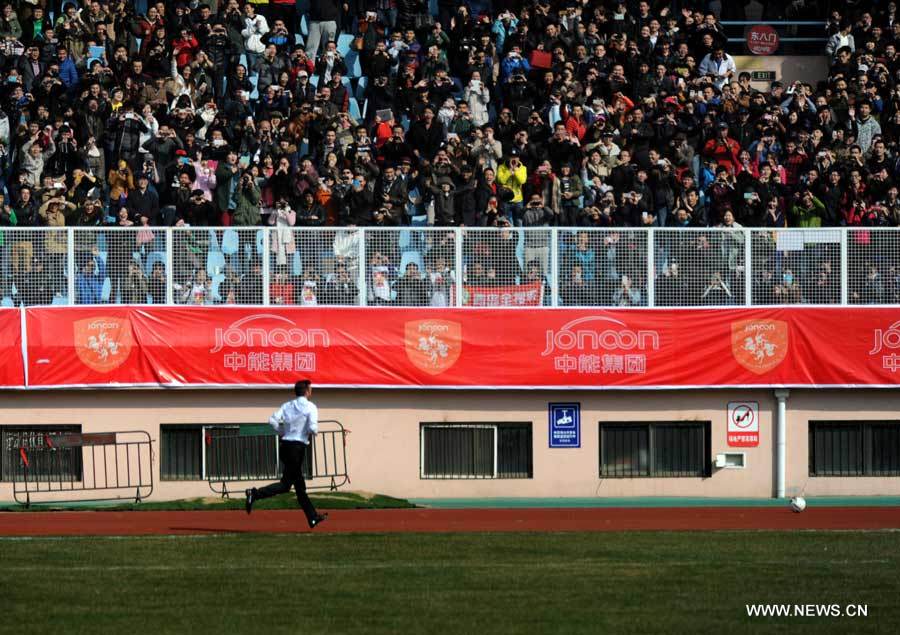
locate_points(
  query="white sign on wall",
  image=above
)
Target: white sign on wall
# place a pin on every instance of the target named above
(743, 424)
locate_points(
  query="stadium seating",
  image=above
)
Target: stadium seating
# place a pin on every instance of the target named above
(344, 44)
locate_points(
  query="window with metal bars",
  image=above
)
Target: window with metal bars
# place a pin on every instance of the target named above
(227, 451)
(476, 450)
(65, 463)
(658, 450)
(854, 448)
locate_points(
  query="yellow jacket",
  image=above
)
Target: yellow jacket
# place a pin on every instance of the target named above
(513, 180)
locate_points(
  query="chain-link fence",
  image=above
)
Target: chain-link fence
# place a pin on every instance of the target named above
(873, 266)
(410, 267)
(424, 267)
(796, 267)
(699, 268)
(505, 266)
(603, 268)
(35, 266)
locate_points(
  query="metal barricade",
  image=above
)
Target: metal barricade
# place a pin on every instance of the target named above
(234, 458)
(78, 467)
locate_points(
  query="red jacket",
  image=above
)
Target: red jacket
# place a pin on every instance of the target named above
(186, 50)
(725, 153)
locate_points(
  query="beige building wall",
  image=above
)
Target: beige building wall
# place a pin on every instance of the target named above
(383, 447)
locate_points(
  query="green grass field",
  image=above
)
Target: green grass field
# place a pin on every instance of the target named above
(322, 500)
(447, 583)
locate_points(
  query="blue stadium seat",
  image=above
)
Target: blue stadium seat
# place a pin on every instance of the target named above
(314, 80)
(217, 281)
(106, 291)
(153, 258)
(259, 241)
(304, 25)
(362, 85)
(411, 256)
(344, 42)
(354, 69)
(213, 240)
(7, 302)
(520, 248)
(297, 265)
(231, 242)
(215, 263)
(60, 300)
(404, 242)
(354, 109)
(419, 221)
(298, 39)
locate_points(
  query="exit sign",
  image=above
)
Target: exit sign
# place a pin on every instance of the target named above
(762, 76)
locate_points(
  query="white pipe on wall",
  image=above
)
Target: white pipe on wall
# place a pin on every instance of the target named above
(781, 442)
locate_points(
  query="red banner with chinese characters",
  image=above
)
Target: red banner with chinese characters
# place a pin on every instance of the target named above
(12, 368)
(489, 348)
(529, 294)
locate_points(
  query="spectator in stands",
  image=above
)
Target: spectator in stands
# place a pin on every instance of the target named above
(412, 287)
(644, 104)
(89, 280)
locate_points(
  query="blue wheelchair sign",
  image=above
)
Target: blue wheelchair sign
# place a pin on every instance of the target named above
(565, 425)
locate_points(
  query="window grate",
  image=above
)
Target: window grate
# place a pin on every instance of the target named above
(659, 450)
(476, 451)
(64, 463)
(854, 448)
(180, 453)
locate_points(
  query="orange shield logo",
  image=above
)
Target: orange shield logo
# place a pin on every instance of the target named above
(759, 345)
(103, 343)
(433, 345)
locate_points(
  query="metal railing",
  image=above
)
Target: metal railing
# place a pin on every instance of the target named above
(75, 467)
(795, 37)
(241, 458)
(466, 267)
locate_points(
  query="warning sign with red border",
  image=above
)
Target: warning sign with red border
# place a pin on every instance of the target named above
(743, 424)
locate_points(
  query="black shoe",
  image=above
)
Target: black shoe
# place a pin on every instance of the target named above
(251, 498)
(315, 521)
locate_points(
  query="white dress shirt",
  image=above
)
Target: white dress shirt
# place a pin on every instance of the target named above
(719, 68)
(296, 420)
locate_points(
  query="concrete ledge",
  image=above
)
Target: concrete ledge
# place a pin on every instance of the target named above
(829, 501)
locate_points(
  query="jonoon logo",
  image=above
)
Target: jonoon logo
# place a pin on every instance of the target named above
(240, 335)
(103, 343)
(433, 345)
(619, 337)
(889, 338)
(759, 345)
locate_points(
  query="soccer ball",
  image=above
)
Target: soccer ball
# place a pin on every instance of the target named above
(798, 504)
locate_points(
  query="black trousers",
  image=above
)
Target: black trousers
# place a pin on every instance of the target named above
(292, 456)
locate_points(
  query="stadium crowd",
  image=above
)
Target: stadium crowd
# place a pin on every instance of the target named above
(590, 114)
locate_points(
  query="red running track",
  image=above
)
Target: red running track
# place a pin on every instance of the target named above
(448, 520)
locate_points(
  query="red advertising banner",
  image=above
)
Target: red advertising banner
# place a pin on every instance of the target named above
(520, 295)
(456, 348)
(12, 370)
